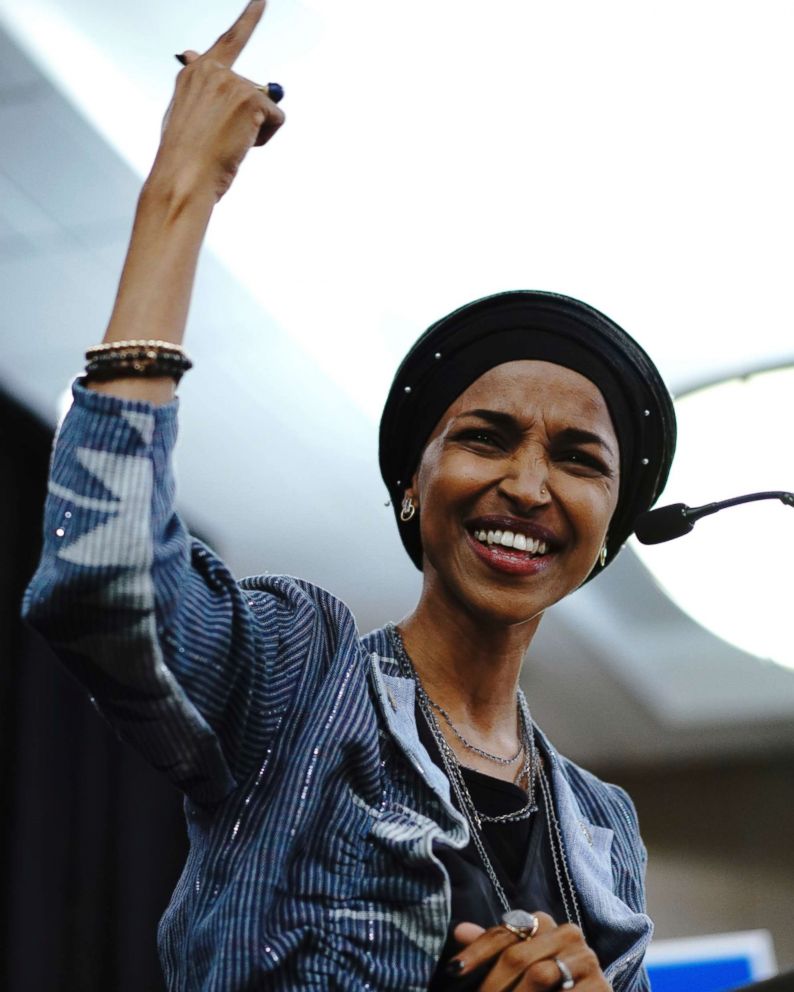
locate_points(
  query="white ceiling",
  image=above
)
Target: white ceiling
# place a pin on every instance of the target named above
(631, 159)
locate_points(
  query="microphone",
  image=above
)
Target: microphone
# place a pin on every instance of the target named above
(669, 522)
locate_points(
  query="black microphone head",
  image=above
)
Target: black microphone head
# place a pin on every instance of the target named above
(656, 526)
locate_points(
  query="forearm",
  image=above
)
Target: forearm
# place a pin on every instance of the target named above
(214, 119)
(158, 276)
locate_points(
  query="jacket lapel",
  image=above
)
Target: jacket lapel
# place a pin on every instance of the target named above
(616, 932)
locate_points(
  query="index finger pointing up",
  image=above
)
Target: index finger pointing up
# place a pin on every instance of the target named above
(228, 47)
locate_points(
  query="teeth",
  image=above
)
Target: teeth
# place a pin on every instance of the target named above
(510, 539)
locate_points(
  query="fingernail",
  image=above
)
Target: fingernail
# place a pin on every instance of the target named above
(181, 58)
(276, 92)
(455, 967)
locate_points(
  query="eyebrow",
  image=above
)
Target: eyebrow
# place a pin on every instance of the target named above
(569, 435)
(578, 436)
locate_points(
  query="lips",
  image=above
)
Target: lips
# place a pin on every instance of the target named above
(510, 545)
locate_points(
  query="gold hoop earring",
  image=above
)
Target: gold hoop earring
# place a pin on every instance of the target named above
(408, 509)
(602, 558)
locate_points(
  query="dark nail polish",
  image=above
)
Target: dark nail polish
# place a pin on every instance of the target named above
(181, 58)
(276, 92)
(455, 967)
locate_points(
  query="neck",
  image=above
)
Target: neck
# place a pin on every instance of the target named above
(468, 666)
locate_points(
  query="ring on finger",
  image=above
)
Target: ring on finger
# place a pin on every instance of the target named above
(273, 91)
(520, 923)
(565, 974)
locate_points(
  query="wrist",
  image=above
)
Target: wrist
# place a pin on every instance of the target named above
(177, 192)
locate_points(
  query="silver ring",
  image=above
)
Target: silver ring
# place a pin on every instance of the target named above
(521, 923)
(565, 972)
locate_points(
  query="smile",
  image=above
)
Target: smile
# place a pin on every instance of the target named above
(510, 539)
(502, 551)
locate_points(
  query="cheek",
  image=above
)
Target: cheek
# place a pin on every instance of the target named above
(590, 507)
(447, 476)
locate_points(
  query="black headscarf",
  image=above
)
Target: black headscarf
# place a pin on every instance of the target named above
(528, 324)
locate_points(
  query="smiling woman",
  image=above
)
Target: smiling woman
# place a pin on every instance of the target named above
(543, 466)
(379, 811)
(521, 436)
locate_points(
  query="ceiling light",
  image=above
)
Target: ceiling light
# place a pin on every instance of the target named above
(732, 574)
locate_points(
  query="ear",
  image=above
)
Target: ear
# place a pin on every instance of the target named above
(410, 493)
(413, 489)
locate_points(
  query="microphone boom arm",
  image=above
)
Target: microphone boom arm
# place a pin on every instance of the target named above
(668, 522)
(696, 512)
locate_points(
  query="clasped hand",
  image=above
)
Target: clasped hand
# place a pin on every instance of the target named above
(528, 965)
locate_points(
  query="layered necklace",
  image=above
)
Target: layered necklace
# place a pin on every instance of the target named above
(532, 774)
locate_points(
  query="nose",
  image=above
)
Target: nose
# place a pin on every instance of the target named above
(525, 482)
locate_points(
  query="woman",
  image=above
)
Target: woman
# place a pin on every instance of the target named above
(377, 812)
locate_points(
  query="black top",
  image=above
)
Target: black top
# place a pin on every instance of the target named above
(519, 852)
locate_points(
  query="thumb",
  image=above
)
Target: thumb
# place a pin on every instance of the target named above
(467, 933)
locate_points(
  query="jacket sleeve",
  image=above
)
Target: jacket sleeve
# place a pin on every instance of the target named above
(174, 653)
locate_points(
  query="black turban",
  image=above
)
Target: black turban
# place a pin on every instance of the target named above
(527, 324)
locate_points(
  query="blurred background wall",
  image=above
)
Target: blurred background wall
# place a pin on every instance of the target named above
(719, 847)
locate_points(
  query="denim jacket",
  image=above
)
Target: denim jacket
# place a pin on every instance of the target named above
(314, 813)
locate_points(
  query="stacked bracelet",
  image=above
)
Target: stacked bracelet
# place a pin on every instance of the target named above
(145, 359)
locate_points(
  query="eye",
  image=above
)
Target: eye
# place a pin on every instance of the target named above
(576, 456)
(481, 436)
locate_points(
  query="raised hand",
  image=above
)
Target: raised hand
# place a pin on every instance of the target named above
(216, 115)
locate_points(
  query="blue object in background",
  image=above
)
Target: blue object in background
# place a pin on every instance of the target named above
(716, 975)
(720, 962)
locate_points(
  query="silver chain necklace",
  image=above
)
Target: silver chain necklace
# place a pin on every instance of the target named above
(451, 764)
(454, 771)
(497, 759)
(561, 865)
(533, 768)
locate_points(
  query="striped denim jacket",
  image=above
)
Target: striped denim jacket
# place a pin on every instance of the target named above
(313, 811)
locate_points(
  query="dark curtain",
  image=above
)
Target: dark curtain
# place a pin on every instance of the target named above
(92, 839)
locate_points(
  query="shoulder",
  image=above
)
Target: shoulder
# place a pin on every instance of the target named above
(297, 596)
(303, 609)
(289, 589)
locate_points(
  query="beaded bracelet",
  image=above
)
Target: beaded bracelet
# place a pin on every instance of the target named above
(145, 359)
